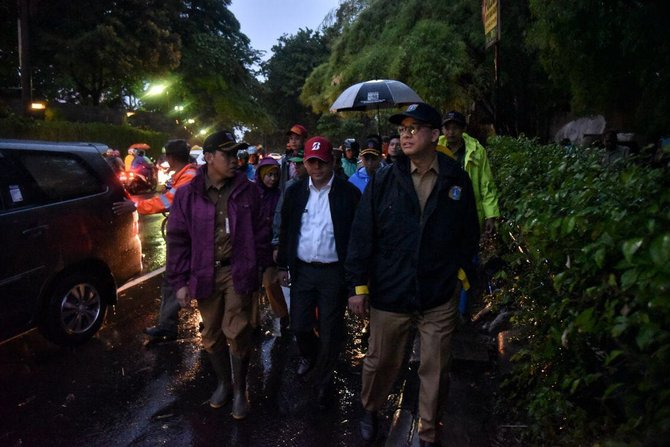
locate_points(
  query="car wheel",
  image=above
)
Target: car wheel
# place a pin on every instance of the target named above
(76, 309)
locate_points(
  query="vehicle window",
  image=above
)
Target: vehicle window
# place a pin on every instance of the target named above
(17, 188)
(60, 176)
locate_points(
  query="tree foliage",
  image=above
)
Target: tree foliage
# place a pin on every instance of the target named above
(105, 52)
(215, 70)
(422, 43)
(90, 52)
(588, 274)
(294, 57)
(611, 56)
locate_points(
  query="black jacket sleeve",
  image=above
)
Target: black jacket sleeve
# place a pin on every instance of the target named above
(285, 230)
(361, 243)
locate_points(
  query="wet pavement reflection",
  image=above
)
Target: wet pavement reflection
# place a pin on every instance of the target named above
(119, 389)
(153, 244)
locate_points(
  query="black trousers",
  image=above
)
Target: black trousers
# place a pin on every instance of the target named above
(319, 286)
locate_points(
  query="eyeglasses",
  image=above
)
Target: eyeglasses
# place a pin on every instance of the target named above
(411, 129)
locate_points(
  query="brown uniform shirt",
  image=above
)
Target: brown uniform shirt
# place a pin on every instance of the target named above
(424, 184)
(223, 247)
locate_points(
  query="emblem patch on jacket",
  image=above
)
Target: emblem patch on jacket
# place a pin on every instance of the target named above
(455, 193)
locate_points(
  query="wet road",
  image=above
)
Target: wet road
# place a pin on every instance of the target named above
(120, 390)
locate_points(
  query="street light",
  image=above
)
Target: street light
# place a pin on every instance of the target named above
(156, 89)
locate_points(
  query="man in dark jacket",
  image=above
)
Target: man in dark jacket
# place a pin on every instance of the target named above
(315, 227)
(414, 236)
(213, 256)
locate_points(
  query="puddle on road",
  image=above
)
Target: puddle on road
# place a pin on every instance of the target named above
(153, 244)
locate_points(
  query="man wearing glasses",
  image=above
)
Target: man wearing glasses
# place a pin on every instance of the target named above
(213, 256)
(416, 231)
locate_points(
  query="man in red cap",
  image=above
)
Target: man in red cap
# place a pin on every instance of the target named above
(297, 135)
(316, 219)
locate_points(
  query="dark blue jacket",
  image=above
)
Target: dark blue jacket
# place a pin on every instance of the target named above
(411, 263)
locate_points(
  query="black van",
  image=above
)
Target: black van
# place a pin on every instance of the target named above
(63, 252)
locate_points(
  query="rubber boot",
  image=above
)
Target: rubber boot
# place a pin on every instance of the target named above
(240, 400)
(223, 392)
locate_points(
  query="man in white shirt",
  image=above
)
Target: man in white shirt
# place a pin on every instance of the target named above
(316, 219)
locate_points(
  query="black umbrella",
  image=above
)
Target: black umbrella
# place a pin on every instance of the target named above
(375, 94)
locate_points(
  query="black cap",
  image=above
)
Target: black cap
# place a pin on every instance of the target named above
(176, 147)
(224, 141)
(372, 143)
(421, 112)
(351, 144)
(454, 117)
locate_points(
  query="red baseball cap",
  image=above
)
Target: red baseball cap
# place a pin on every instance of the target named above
(319, 147)
(298, 130)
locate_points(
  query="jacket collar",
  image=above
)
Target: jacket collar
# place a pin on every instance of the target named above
(447, 175)
(239, 181)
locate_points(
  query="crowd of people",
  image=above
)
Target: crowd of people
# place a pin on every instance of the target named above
(388, 229)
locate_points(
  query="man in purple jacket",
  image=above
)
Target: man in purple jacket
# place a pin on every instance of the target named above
(213, 256)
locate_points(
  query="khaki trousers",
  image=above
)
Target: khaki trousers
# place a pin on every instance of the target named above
(388, 338)
(225, 315)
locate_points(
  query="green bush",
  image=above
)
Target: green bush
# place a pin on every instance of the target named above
(114, 136)
(588, 270)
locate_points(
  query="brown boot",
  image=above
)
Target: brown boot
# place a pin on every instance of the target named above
(241, 404)
(223, 392)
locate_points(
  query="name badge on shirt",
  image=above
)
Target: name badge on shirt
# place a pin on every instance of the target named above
(455, 193)
(227, 226)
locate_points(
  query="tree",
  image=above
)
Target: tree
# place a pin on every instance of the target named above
(91, 52)
(215, 70)
(294, 57)
(9, 58)
(611, 56)
(425, 44)
(525, 99)
(107, 52)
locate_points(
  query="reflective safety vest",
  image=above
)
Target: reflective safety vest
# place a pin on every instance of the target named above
(161, 203)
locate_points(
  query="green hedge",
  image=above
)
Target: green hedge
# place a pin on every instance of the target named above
(588, 272)
(114, 136)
